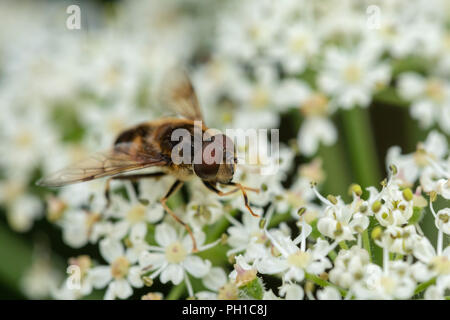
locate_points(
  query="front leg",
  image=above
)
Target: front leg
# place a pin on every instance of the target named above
(238, 186)
(175, 187)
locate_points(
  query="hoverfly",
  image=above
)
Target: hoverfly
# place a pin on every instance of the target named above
(150, 145)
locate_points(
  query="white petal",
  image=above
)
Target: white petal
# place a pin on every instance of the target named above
(271, 266)
(329, 293)
(174, 273)
(197, 266)
(122, 289)
(215, 279)
(100, 276)
(111, 249)
(134, 277)
(165, 234)
(292, 292)
(151, 260)
(138, 232)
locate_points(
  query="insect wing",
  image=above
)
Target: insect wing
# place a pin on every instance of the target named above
(178, 94)
(122, 158)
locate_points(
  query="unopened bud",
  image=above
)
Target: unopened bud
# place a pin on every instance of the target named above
(407, 194)
(332, 199)
(377, 232)
(324, 276)
(393, 169)
(363, 208)
(301, 211)
(148, 282)
(262, 223)
(309, 286)
(376, 206)
(433, 196)
(224, 239)
(356, 189)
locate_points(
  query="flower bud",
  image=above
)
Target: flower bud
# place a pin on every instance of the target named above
(332, 199)
(376, 206)
(356, 189)
(407, 194)
(377, 232)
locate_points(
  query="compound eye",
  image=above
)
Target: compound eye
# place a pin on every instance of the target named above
(206, 171)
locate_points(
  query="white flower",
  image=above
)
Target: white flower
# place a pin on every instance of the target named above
(425, 163)
(121, 273)
(23, 212)
(436, 264)
(329, 293)
(442, 220)
(349, 267)
(173, 259)
(398, 283)
(297, 44)
(216, 282)
(431, 99)
(204, 208)
(294, 261)
(314, 131)
(77, 226)
(132, 211)
(292, 291)
(351, 77)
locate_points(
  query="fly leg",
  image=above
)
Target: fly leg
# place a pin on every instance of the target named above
(175, 187)
(238, 187)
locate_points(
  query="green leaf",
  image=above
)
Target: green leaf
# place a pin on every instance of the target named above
(416, 216)
(253, 289)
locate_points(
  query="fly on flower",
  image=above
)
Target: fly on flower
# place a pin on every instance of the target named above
(152, 144)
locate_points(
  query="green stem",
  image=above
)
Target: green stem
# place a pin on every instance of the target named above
(176, 292)
(363, 158)
(334, 161)
(332, 254)
(361, 146)
(323, 283)
(343, 245)
(366, 243)
(421, 287)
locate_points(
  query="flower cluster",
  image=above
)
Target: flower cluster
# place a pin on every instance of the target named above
(64, 94)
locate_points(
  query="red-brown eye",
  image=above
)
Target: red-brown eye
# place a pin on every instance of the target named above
(214, 153)
(206, 171)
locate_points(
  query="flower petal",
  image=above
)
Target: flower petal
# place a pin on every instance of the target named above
(197, 266)
(100, 276)
(165, 234)
(174, 273)
(111, 249)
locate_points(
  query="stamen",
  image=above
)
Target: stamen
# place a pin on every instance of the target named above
(275, 244)
(431, 206)
(319, 196)
(209, 246)
(232, 220)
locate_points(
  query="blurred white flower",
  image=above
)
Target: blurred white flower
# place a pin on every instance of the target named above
(173, 259)
(351, 77)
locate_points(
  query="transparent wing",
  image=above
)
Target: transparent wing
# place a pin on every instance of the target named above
(123, 157)
(177, 93)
